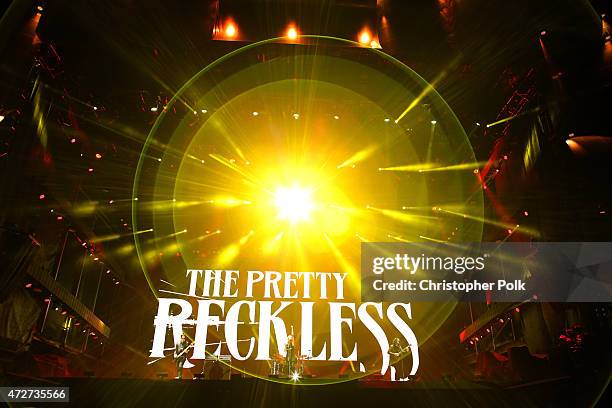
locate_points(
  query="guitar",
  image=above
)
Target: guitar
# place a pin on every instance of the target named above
(176, 356)
(402, 351)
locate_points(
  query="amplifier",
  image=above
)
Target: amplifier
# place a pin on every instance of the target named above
(217, 368)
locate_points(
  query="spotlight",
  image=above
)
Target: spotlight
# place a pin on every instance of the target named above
(365, 37)
(292, 33)
(255, 113)
(433, 122)
(296, 116)
(543, 33)
(294, 203)
(295, 376)
(230, 30)
(154, 109)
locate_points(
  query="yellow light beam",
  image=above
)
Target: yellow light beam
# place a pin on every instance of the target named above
(362, 239)
(359, 156)
(273, 244)
(232, 165)
(409, 167)
(177, 233)
(117, 236)
(430, 87)
(453, 167)
(508, 119)
(230, 252)
(430, 239)
(398, 238)
(403, 216)
(344, 263)
(210, 234)
(228, 202)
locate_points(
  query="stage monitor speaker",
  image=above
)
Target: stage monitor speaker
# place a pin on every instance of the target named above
(214, 370)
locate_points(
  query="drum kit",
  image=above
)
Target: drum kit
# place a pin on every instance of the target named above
(279, 366)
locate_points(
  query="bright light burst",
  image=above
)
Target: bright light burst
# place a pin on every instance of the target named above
(294, 203)
(301, 169)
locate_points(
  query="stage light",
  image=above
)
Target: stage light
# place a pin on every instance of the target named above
(296, 116)
(336, 117)
(41, 197)
(98, 156)
(375, 44)
(365, 37)
(154, 109)
(73, 140)
(295, 376)
(204, 111)
(255, 113)
(1, 118)
(230, 30)
(433, 122)
(294, 203)
(292, 33)
(543, 33)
